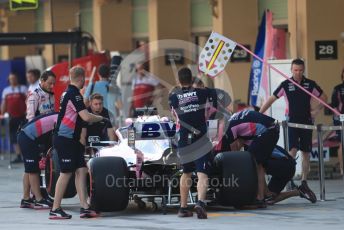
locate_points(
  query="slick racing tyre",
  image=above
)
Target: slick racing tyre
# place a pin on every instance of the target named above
(238, 178)
(108, 184)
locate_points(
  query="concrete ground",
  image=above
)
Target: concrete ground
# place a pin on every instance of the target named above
(295, 213)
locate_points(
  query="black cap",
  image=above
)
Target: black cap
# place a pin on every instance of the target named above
(104, 70)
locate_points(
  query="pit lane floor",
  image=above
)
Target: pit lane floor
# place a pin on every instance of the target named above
(295, 213)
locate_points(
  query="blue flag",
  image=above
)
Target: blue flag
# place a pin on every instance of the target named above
(257, 66)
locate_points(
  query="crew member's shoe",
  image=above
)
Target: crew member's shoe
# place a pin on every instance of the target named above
(306, 192)
(260, 203)
(49, 199)
(58, 214)
(29, 203)
(270, 199)
(88, 213)
(184, 212)
(43, 204)
(200, 210)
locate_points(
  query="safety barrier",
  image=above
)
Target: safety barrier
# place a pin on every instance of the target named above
(5, 143)
(320, 128)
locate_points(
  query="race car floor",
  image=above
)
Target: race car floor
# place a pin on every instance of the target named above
(295, 213)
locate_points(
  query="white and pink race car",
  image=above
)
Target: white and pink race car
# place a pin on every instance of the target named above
(143, 165)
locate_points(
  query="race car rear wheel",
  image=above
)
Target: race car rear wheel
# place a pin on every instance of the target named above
(52, 173)
(108, 184)
(238, 178)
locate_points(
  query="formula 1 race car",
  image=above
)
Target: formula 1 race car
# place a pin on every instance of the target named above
(143, 165)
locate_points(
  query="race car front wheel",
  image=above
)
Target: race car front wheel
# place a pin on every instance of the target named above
(109, 190)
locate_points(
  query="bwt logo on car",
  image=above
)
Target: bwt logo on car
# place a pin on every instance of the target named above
(150, 130)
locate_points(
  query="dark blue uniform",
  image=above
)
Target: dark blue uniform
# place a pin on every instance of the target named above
(299, 110)
(337, 102)
(281, 166)
(69, 124)
(188, 105)
(259, 132)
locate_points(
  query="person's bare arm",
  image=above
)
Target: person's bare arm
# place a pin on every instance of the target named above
(119, 104)
(86, 102)
(237, 145)
(111, 134)
(83, 135)
(323, 97)
(174, 114)
(89, 117)
(318, 106)
(3, 106)
(268, 103)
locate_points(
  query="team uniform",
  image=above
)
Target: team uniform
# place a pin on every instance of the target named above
(15, 100)
(299, 110)
(32, 87)
(35, 136)
(259, 132)
(39, 102)
(189, 106)
(67, 143)
(281, 166)
(69, 124)
(337, 101)
(99, 128)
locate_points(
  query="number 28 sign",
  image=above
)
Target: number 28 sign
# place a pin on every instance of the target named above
(326, 50)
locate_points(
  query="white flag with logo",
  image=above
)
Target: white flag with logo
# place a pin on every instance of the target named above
(215, 54)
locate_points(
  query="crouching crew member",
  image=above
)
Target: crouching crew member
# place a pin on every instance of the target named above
(260, 133)
(281, 167)
(34, 135)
